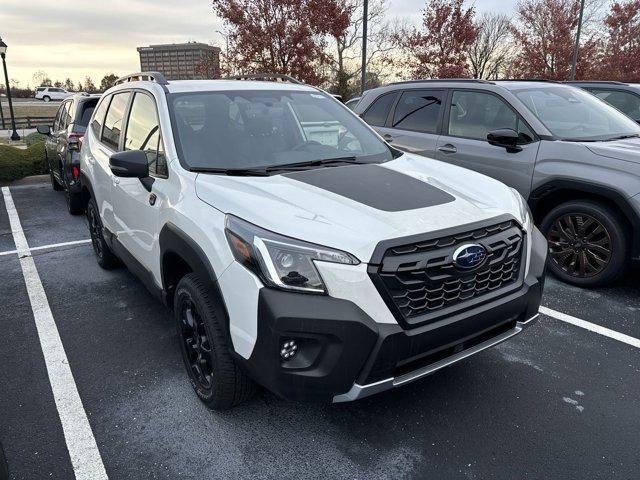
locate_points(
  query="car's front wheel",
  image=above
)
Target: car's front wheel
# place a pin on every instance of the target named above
(587, 243)
(214, 374)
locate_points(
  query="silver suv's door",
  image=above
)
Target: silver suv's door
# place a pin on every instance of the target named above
(470, 116)
(415, 120)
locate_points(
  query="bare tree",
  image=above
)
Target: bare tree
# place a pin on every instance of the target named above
(345, 62)
(489, 54)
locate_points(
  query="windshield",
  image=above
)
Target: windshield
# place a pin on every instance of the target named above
(573, 114)
(256, 129)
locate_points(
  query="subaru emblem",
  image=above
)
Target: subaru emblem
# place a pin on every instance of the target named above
(470, 255)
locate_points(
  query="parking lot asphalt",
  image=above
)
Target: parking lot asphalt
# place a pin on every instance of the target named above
(557, 402)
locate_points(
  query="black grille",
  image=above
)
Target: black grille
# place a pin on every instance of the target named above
(421, 280)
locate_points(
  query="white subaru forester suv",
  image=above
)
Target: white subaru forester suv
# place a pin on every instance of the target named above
(295, 247)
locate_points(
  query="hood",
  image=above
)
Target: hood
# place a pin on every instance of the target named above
(354, 207)
(627, 149)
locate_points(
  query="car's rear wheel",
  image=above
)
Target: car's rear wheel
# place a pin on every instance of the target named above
(57, 186)
(587, 243)
(74, 203)
(46, 98)
(214, 374)
(105, 257)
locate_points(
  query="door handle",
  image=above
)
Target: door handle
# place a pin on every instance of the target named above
(388, 138)
(116, 181)
(448, 148)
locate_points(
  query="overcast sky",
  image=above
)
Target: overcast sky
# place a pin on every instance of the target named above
(68, 38)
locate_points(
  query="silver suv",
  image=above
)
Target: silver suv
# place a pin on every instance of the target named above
(574, 158)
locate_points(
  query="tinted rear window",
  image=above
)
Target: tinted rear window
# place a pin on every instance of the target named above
(85, 110)
(376, 114)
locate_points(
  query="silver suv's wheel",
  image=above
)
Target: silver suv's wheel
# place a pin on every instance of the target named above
(587, 243)
(46, 99)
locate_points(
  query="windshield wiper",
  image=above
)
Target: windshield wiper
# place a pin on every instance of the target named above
(266, 171)
(622, 137)
(314, 163)
(238, 172)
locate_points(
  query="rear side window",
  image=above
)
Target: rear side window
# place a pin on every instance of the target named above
(41, 89)
(113, 120)
(98, 118)
(376, 114)
(419, 111)
(143, 133)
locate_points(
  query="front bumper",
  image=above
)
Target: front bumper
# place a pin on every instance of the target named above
(344, 355)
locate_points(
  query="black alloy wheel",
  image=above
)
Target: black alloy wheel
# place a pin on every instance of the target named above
(105, 257)
(579, 245)
(196, 344)
(588, 242)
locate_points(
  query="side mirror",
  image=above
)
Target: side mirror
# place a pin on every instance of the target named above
(44, 129)
(131, 164)
(506, 138)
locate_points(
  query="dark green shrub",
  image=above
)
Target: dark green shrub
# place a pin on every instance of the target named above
(16, 163)
(34, 138)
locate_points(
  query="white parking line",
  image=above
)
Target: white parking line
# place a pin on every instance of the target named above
(83, 450)
(621, 337)
(50, 246)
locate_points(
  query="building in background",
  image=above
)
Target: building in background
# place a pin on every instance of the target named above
(181, 61)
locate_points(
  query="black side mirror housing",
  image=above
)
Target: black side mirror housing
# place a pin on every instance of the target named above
(43, 129)
(506, 138)
(130, 164)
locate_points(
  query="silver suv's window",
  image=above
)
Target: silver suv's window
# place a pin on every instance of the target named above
(576, 115)
(249, 129)
(475, 114)
(419, 111)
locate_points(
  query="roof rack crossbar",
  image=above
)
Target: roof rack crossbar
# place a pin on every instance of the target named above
(265, 76)
(428, 80)
(156, 77)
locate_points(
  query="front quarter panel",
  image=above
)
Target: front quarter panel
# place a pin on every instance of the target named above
(559, 160)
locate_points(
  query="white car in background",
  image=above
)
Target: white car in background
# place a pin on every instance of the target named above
(51, 93)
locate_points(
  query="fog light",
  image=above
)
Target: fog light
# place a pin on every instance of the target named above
(288, 350)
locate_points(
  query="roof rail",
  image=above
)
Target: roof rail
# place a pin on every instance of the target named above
(156, 77)
(429, 80)
(604, 82)
(527, 80)
(265, 76)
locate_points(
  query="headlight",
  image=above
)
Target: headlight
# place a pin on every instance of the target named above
(525, 212)
(281, 261)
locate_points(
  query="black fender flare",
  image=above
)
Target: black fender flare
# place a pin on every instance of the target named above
(173, 240)
(620, 200)
(86, 183)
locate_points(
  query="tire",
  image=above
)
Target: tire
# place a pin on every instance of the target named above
(74, 203)
(588, 244)
(46, 98)
(214, 374)
(57, 186)
(105, 257)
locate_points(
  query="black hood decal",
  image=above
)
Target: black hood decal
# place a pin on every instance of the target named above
(375, 186)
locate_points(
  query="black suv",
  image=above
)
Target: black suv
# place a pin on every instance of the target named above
(62, 147)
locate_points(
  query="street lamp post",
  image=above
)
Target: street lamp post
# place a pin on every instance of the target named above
(3, 51)
(575, 50)
(365, 21)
